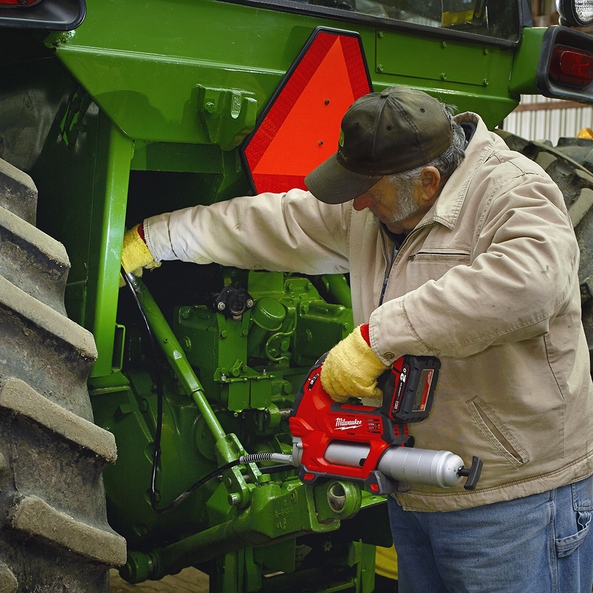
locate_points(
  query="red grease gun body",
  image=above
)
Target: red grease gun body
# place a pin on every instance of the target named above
(371, 444)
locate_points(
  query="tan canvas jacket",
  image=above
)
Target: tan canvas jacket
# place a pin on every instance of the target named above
(487, 282)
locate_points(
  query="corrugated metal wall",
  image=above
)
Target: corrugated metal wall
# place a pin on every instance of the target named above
(540, 118)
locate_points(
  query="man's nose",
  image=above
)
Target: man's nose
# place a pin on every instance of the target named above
(363, 201)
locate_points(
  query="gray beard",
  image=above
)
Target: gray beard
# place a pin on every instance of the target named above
(406, 205)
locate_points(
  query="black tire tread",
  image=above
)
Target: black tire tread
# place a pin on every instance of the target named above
(54, 535)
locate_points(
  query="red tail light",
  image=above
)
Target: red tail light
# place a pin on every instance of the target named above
(50, 15)
(18, 2)
(565, 68)
(571, 66)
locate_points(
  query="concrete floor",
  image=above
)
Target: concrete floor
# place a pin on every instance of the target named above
(188, 580)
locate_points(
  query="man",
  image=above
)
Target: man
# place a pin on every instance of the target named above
(462, 249)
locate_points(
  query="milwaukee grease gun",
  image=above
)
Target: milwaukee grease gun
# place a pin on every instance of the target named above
(371, 444)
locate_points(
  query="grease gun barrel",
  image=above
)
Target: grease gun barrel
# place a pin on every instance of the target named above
(404, 464)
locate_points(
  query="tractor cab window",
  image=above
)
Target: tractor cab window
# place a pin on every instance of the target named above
(495, 19)
(482, 17)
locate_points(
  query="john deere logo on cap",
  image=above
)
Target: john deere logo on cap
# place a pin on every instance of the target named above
(341, 146)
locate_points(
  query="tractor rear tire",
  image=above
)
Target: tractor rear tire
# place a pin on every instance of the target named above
(54, 535)
(570, 165)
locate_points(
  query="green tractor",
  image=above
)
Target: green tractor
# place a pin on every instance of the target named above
(114, 111)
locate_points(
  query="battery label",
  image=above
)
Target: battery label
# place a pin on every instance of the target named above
(423, 390)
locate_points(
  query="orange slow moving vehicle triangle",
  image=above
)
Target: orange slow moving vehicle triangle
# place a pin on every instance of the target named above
(301, 125)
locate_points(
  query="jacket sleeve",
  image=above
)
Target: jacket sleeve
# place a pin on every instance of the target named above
(278, 232)
(523, 273)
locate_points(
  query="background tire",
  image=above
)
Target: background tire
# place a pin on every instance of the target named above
(54, 535)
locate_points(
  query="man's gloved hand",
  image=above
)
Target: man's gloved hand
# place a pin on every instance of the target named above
(351, 368)
(135, 254)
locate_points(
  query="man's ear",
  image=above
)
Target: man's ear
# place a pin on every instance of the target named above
(430, 178)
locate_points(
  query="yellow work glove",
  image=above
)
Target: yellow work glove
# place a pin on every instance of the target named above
(351, 369)
(135, 254)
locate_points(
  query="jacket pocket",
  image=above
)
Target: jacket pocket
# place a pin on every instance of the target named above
(494, 430)
(582, 505)
(435, 256)
(432, 264)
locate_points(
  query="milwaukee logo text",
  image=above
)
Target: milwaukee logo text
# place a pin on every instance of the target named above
(343, 424)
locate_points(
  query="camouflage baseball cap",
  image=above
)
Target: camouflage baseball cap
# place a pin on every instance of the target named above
(382, 133)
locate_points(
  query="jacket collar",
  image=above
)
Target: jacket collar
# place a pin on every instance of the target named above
(448, 205)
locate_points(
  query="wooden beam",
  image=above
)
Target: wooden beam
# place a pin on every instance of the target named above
(547, 106)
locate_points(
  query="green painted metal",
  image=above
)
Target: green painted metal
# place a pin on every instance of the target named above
(110, 211)
(276, 510)
(195, 87)
(290, 326)
(442, 66)
(522, 79)
(166, 74)
(245, 509)
(242, 513)
(176, 357)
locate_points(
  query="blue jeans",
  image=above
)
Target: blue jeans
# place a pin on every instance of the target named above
(537, 544)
